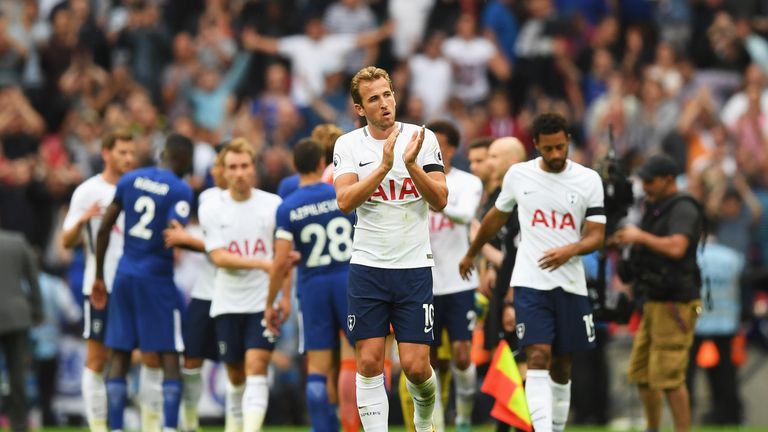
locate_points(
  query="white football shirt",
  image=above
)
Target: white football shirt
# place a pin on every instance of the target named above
(449, 232)
(203, 286)
(96, 190)
(470, 60)
(552, 208)
(392, 227)
(245, 228)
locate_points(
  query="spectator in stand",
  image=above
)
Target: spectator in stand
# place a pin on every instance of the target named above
(431, 76)
(500, 25)
(313, 54)
(352, 17)
(410, 22)
(735, 209)
(472, 56)
(177, 74)
(144, 46)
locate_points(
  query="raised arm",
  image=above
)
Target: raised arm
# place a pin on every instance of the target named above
(431, 184)
(351, 192)
(254, 41)
(373, 37)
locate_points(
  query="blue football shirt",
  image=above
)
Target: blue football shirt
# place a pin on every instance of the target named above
(310, 217)
(151, 198)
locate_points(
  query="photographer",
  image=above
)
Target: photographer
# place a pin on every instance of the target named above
(665, 274)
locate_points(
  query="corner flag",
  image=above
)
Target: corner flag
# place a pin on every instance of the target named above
(504, 383)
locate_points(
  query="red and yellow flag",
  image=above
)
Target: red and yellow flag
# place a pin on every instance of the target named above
(504, 383)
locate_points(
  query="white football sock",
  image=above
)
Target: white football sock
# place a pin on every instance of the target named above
(255, 400)
(151, 398)
(191, 391)
(561, 403)
(372, 402)
(233, 406)
(466, 383)
(424, 396)
(438, 415)
(94, 392)
(539, 395)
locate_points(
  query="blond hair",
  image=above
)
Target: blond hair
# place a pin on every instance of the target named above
(326, 134)
(236, 145)
(370, 73)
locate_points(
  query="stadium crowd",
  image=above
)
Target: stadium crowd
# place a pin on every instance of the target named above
(688, 78)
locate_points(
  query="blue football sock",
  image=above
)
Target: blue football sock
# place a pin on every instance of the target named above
(117, 397)
(171, 402)
(333, 417)
(317, 403)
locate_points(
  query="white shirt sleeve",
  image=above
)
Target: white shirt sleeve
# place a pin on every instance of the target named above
(463, 209)
(77, 207)
(430, 151)
(213, 237)
(290, 45)
(507, 200)
(343, 161)
(596, 205)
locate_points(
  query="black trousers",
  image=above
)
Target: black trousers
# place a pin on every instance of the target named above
(15, 346)
(726, 408)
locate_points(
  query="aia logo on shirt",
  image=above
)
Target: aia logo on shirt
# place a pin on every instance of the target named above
(392, 191)
(438, 222)
(248, 248)
(553, 220)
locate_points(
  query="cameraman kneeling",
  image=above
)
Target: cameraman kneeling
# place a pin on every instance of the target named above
(665, 274)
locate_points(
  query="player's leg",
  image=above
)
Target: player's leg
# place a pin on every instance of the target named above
(171, 390)
(350, 418)
(191, 391)
(117, 388)
(93, 386)
(199, 343)
(322, 318)
(121, 338)
(368, 324)
(639, 371)
(229, 336)
(159, 330)
(460, 324)
(536, 331)
(151, 392)
(259, 343)
(671, 340)
(413, 316)
(575, 331)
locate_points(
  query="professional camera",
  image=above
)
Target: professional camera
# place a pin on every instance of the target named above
(618, 198)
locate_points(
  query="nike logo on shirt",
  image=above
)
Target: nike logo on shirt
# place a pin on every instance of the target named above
(364, 164)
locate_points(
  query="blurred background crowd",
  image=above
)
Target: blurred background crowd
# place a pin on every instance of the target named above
(684, 77)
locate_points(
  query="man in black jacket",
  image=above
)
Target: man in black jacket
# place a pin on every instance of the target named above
(663, 267)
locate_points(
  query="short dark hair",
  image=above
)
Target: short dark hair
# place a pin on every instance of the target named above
(482, 142)
(110, 139)
(178, 145)
(447, 129)
(548, 124)
(307, 155)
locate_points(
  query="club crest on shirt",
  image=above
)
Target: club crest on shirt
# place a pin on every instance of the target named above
(520, 331)
(350, 322)
(572, 197)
